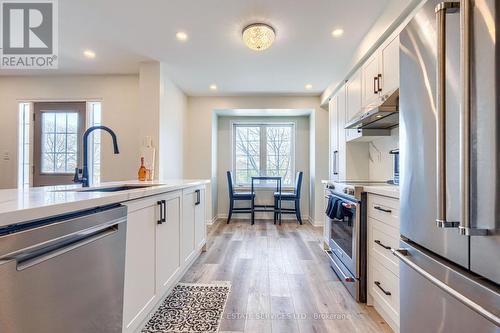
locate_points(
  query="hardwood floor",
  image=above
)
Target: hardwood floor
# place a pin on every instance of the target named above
(281, 281)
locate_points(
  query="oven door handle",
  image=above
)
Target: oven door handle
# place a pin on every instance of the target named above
(344, 200)
(344, 277)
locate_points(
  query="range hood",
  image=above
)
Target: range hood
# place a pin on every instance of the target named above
(382, 117)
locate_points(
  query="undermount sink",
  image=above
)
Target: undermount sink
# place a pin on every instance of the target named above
(116, 188)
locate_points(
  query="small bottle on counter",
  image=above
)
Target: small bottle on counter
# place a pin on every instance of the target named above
(141, 174)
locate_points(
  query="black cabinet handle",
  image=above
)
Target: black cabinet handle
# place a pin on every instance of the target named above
(163, 211)
(160, 203)
(335, 162)
(380, 243)
(382, 209)
(388, 293)
(378, 83)
(375, 89)
(198, 197)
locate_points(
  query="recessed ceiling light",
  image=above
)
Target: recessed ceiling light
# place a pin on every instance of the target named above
(181, 36)
(308, 86)
(337, 32)
(213, 87)
(89, 54)
(258, 36)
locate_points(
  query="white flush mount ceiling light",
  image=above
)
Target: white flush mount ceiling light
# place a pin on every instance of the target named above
(213, 87)
(308, 86)
(258, 36)
(181, 36)
(89, 54)
(337, 32)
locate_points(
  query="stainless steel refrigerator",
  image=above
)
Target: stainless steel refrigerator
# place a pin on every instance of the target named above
(450, 168)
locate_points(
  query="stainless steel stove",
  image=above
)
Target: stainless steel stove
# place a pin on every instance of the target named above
(353, 188)
(348, 233)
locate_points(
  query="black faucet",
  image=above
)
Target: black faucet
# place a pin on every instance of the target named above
(84, 178)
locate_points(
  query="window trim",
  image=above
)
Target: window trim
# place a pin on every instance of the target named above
(263, 147)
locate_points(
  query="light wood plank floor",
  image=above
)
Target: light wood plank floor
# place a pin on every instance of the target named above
(281, 281)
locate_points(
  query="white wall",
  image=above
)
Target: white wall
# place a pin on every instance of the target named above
(120, 111)
(224, 159)
(163, 106)
(198, 134)
(173, 103)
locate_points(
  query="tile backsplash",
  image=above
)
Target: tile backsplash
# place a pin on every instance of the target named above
(380, 161)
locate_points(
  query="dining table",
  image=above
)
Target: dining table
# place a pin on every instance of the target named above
(266, 208)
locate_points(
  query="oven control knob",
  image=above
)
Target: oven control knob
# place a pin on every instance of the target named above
(345, 190)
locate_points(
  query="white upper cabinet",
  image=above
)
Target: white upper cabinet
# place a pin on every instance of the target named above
(334, 137)
(353, 102)
(370, 77)
(390, 67)
(341, 121)
(380, 74)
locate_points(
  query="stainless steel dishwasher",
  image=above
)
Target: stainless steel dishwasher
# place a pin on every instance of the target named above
(64, 274)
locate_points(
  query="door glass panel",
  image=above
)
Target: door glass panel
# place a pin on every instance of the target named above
(59, 142)
(341, 231)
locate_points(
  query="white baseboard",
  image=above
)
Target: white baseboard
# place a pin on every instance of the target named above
(212, 221)
(316, 223)
(242, 217)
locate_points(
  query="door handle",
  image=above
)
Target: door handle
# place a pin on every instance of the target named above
(465, 227)
(198, 197)
(377, 283)
(382, 209)
(441, 10)
(379, 78)
(380, 243)
(65, 247)
(375, 89)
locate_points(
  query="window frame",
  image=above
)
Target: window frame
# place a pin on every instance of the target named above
(263, 148)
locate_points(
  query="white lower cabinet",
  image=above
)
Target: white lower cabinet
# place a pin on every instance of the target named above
(163, 239)
(383, 266)
(168, 242)
(139, 291)
(193, 230)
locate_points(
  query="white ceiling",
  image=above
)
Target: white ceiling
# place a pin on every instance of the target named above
(124, 32)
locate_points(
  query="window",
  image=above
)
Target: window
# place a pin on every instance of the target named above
(265, 149)
(59, 142)
(24, 151)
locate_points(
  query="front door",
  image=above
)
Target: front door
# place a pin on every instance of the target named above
(57, 141)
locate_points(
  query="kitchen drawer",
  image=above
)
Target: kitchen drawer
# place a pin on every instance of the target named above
(384, 209)
(380, 278)
(381, 238)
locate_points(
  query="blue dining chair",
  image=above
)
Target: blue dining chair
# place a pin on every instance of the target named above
(289, 196)
(235, 196)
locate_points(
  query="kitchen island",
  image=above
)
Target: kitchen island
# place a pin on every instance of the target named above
(109, 253)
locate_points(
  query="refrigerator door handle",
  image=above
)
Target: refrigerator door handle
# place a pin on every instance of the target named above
(465, 227)
(403, 255)
(441, 10)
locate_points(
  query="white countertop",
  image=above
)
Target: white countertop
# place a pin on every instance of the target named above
(387, 190)
(20, 205)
